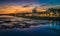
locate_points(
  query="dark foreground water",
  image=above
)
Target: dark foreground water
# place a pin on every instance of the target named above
(42, 28)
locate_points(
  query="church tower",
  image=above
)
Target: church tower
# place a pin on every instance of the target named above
(34, 11)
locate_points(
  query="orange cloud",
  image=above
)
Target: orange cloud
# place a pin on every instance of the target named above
(16, 9)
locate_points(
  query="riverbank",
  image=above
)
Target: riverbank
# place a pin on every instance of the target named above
(42, 18)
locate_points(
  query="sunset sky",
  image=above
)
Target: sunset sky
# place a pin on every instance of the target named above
(16, 6)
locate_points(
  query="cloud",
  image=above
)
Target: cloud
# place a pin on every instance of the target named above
(24, 8)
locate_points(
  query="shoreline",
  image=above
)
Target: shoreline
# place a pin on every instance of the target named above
(42, 18)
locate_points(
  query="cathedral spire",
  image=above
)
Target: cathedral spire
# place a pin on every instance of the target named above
(34, 10)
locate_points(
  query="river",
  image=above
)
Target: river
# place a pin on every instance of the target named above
(35, 27)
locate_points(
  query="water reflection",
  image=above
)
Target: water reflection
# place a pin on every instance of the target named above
(23, 22)
(55, 24)
(17, 22)
(25, 25)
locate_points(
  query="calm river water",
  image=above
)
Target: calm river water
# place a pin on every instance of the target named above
(40, 27)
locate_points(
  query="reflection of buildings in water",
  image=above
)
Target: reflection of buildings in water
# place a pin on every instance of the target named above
(54, 24)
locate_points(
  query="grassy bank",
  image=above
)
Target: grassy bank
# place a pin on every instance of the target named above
(41, 18)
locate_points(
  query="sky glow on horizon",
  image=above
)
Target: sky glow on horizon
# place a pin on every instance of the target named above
(10, 6)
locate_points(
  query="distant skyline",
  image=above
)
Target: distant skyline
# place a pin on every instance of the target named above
(14, 6)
